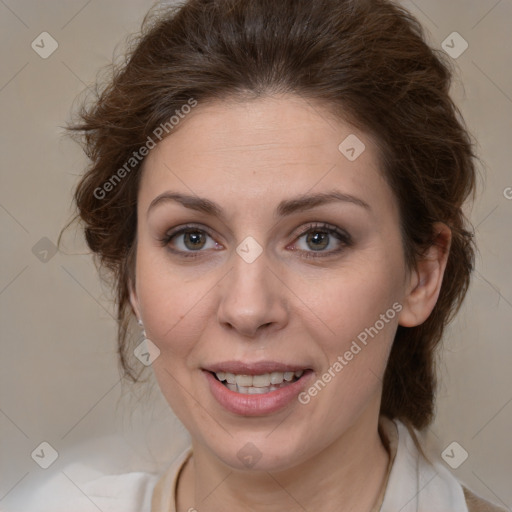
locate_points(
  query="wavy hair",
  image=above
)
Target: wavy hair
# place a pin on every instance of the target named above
(368, 61)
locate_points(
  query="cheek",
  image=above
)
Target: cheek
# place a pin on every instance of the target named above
(164, 298)
(172, 307)
(364, 322)
(352, 300)
(358, 308)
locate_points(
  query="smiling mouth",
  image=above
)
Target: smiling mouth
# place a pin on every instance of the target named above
(258, 384)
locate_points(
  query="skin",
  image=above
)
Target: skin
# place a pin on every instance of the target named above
(247, 157)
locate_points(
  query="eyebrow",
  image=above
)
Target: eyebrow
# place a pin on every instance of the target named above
(285, 207)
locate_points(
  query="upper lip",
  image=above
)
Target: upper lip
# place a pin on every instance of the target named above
(256, 368)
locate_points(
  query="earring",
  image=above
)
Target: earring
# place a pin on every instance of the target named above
(139, 321)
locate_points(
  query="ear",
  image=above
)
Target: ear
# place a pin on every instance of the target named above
(134, 301)
(425, 281)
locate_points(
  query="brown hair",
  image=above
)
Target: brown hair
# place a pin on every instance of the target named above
(368, 61)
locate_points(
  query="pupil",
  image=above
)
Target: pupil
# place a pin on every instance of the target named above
(316, 238)
(194, 236)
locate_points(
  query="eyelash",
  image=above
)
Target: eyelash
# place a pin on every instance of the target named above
(342, 236)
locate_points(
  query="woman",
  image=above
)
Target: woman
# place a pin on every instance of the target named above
(277, 189)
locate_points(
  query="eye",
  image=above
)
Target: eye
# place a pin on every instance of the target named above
(320, 236)
(190, 239)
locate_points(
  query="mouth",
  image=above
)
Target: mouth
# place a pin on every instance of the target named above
(257, 388)
(253, 393)
(258, 384)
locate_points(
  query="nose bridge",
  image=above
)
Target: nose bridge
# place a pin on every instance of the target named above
(251, 296)
(249, 280)
(250, 268)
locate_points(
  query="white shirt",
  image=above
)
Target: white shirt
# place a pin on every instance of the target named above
(413, 485)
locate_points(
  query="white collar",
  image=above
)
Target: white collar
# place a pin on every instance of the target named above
(415, 485)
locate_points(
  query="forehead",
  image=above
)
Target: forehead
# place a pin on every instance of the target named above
(271, 147)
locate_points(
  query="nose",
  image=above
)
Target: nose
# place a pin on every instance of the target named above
(253, 298)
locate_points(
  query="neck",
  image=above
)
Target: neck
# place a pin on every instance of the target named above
(347, 475)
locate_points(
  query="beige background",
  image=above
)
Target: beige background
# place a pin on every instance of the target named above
(59, 380)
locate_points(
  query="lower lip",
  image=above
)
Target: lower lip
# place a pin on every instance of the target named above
(256, 405)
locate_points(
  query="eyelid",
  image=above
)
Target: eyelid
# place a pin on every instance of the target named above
(184, 227)
(322, 225)
(170, 234)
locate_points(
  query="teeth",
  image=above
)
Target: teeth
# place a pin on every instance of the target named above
(261, 381)
(252, 390)
(244, 382)
(276, 377)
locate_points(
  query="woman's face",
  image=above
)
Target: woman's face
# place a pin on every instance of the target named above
(262, 278)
